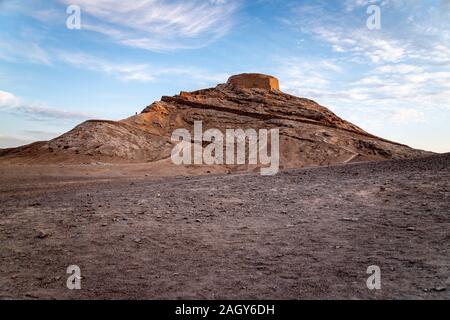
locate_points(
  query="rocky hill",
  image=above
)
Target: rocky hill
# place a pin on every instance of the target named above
(310, 134)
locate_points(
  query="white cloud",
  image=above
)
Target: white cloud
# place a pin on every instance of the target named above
(126, 72)
(405, 66)
(8, 141)
(137, 72)
(157, 24)
(140, 72)
(8, 100)
(364, 45)
(398, 69)
(19, 51)
(13, 104)
(300, 76)
(404, 115)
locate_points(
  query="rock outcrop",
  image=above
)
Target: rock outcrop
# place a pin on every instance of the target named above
(310, 134)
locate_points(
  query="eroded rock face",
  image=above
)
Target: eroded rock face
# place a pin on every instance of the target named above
(254, 81)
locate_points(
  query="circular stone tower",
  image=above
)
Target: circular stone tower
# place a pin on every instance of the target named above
(254, 80)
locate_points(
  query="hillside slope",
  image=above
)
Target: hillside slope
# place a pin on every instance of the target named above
(310, 134)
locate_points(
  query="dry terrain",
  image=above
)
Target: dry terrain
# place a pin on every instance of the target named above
(302, 234)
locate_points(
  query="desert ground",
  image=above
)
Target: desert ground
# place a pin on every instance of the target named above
(303, 234)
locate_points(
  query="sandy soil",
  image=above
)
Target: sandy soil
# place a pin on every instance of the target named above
(305, 233)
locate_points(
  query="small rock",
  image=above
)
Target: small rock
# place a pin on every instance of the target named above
(41, 234)
(352, 219)
(439, 289)
(411, 229)
(198, 220)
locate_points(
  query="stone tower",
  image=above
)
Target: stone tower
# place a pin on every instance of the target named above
(254, 80)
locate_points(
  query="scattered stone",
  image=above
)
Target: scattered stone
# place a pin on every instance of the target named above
(411, 229)
(352, 219)
(439, 289)
(41, 234)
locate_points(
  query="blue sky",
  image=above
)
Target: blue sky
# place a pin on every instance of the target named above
(393, 82)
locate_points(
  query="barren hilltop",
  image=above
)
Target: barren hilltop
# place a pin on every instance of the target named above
(310, 134)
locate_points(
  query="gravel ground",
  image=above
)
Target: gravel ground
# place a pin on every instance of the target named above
(302, 234)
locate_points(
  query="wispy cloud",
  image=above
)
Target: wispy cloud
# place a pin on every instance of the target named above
(158, 24)
(125, 72)
(19, 51)
(400, 72)
(137, 72)
(405, 115)
(8, 141)
(38, 111)
(306, 77)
